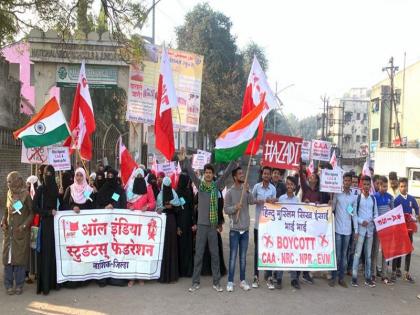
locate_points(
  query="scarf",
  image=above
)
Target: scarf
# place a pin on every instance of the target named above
(99, 180)
(136, 186)
(212, 190)
(17, 189)
(77, 190)
(104, 196)
(167, 194)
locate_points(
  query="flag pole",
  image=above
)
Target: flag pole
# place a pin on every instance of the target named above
(83, 163)
(246, 179)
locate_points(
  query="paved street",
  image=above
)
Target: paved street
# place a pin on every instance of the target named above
(155, 298)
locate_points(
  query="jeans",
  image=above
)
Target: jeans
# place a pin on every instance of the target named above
(236, 239)
(14, 274)
(376, 257)
(341, 247)
(367, 249)
(205, 233)
(256, 273)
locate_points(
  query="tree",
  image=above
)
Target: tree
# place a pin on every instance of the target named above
(101, 23)
(248, 53)
(308, 128)
(208, 32)
(84, 20)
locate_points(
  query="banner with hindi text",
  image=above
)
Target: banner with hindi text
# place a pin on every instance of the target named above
(296, 237)
(108, 243)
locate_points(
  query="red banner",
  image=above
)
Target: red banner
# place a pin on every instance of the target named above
(282, 151)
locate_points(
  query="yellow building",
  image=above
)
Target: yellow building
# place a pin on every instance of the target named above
(382, 125)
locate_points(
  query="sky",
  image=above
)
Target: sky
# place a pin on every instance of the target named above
(314, 48)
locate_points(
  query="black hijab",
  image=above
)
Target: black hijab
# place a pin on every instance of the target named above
(99, 182)
(50, 188)
(104, 196)
(167, 194)
(67, 179)
(152, 180)
(184, 188)
(139, 186)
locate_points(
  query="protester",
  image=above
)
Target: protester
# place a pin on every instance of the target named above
(393, 181)
(67, 179)
(46, 203)
(186, 226)
(288, 198)
(140, 196)
(277, 181)
(78, 196)
(169, 203)
(159, 178)
(342, 206)
(152, 181)
(32, 185)
(237, 203)
(99, 181)
(262, 192)
(207, 222)
(409, 204)
(17, 233)
(376, 182)
(366, 212)
(385, 203)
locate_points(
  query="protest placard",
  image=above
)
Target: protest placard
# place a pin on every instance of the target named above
(306, 150)
(331, 180)
(168, 168)
(59, 158)
(200, 159)
(281, 151)
(108, 243)
(296, 237)
(321, 150)
(34, 155)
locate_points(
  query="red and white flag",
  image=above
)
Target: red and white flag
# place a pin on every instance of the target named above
(393, 234)
(175, 176)
(127, 164)
(82, 121)
(310, 169)
(166, 100)
(333, 160)
(366, 172)
(256, 87)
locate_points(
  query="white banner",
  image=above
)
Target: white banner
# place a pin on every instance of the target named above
(321, 150)
(168, 168)
(306, 150)
(200, 159)
(331, 180)
(37, 155)
(296, 237)
(113, 243)
(59, 157)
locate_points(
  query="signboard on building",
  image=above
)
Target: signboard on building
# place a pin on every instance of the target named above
(67, 75)
(187, 69)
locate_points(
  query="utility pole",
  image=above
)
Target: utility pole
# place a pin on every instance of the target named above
(391, 69)
(324, 100)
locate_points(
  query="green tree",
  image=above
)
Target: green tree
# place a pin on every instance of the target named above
(101, 22)
(84, 20)
(308, 128)
(248, 53)
(208, 32)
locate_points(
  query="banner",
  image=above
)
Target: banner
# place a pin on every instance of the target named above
(187, 70)
(321, 150)
(34, 155)
(296, 237)
(331, 180)
(200, 159)
(59, 158)
(281, 151)
(393, 234)
(306, 150)
(108, 243)
(167, 168)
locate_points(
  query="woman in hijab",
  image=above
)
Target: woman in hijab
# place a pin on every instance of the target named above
(169, 203)
(78, 196)
(140, 196)
(99, 181)
(152, 181)
(67, 179)
(17, 233)
(45, 204)
(32, 185)
(186, 224)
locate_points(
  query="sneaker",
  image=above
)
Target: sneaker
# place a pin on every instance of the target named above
(217, 287)
(399, 273)
(194, 287)
(229, 287)
(270, 283)
(343, 284)
(10, 291)
(307, 278)
(370, 283)
(354, 283)
(279, 285)
(295, 284)
(331, 283)
(244, 286)
(386, 281)
(256, 282)
(373, 279)
(409, 278)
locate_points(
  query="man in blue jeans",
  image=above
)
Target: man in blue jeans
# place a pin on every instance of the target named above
(366, 211)
(342, 207)
(238, 212)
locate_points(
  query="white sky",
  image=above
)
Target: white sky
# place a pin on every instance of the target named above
(320, 46)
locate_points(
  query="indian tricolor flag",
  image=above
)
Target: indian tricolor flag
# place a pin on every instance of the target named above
(45, 128)
(233, 142)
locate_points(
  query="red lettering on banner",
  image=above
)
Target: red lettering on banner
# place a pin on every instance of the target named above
(294, 242)
(87, 250)
(305, 258)
(287, 258)
(324, 259)
(268, 258)
(94, 228)
(320, 145)
(152, 229)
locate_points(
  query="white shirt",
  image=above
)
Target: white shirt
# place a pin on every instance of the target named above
(260, 193)
(286, 199)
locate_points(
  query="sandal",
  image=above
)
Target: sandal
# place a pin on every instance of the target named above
(19, 291)
(130, 283)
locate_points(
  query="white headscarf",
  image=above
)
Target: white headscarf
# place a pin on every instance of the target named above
(78, 190)
(132, 197)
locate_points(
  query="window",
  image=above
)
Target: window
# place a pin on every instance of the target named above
(364, 116)
(375, 134)
(347, 117)
(358, 116)
(357, 138)
(364, 139)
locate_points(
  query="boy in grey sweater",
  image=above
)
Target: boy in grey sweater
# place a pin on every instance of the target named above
(238, 212)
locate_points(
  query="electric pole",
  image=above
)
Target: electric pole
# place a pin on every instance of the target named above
(324, 114)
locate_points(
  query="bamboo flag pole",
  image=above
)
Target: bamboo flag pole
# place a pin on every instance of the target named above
(246, 179)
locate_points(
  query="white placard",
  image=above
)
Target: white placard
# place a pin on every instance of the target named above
(37, 155)
(321, 150)
(331, 180)
(59, 158)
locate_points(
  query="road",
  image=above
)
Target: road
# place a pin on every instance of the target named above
(156, 298)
